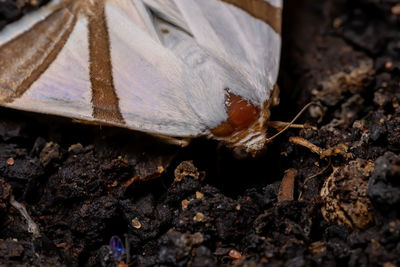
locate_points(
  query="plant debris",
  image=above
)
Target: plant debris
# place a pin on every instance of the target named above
(344, 194)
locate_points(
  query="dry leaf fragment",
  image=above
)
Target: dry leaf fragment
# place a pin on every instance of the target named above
(186, 168)
(344, 194)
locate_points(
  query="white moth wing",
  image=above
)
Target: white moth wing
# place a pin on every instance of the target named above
(168, 11)
(26, 55)
(276, 3)
(158, 66)
(158, 91)
(146, 18)
(248, 44)
(13, 30)
(63, 89)
(155, 90)
(206, 100)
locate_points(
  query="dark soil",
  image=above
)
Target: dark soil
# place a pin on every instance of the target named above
(81, 184)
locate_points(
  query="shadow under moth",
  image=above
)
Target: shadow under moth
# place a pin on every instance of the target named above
(171, 68)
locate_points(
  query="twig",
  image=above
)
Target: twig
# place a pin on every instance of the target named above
(340, 149)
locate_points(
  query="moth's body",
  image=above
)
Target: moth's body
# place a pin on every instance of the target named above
(176, 68)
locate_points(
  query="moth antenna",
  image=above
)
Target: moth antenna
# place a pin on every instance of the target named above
(291, 123)
(316, 174)
(278, 125)
(320, 172)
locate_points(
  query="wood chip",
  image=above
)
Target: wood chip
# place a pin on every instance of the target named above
(286, 190)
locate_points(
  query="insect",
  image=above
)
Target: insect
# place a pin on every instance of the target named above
(177, 69)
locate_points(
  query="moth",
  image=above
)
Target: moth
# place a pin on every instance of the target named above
(177, 69)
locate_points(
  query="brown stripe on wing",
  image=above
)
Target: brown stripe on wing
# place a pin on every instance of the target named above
(262, 10)
(104, 98)
(26, 57)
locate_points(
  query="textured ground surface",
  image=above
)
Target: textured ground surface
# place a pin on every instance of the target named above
(80, 185)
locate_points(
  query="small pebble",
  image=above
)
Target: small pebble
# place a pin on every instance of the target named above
(199, 217)
(199, 195)
(337, 22)
(234, 254)
(184, 204)
(396, 9)
(10, 162)
(136, 223)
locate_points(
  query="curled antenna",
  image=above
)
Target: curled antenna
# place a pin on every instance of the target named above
(290, 124)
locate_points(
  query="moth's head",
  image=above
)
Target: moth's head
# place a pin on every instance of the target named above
(245, 129)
